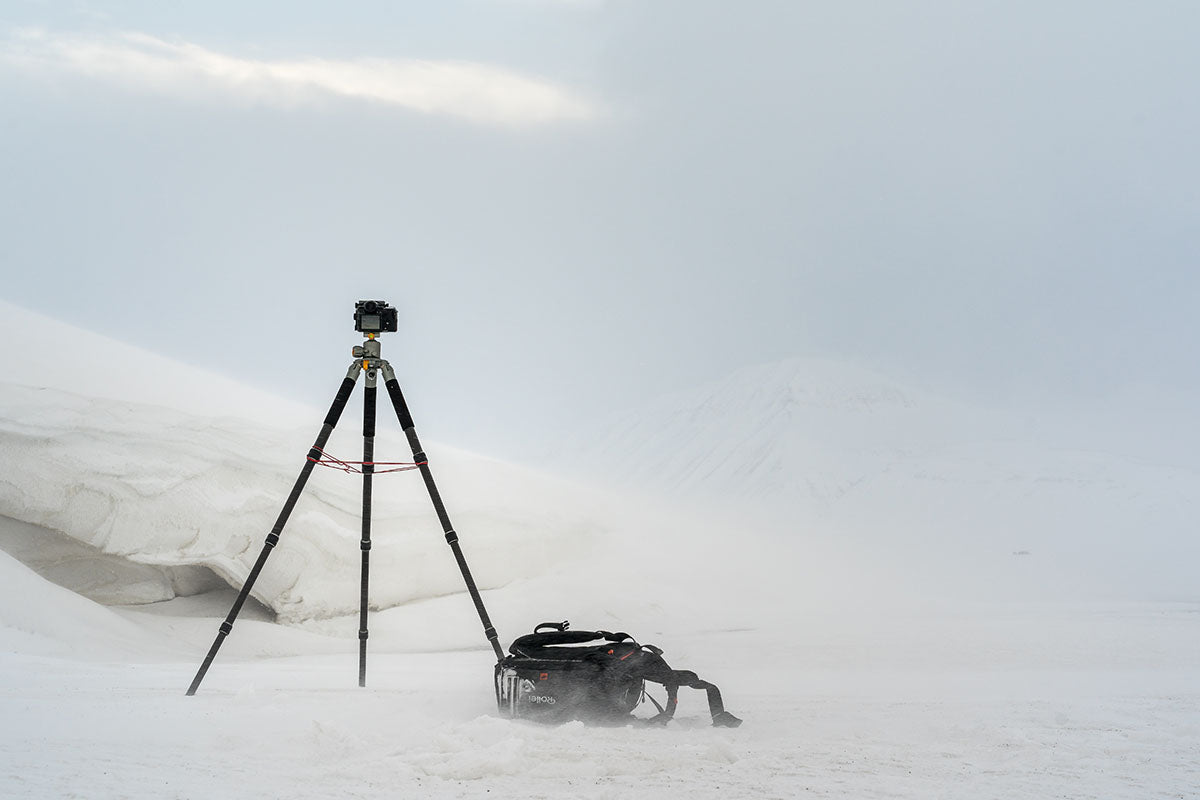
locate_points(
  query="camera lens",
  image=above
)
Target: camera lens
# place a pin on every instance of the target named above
(371, 307)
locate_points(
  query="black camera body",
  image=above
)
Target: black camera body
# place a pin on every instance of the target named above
(374, 316)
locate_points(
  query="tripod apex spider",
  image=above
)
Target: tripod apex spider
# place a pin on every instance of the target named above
(371, 318)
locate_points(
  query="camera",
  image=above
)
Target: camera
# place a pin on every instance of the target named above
(374, 316)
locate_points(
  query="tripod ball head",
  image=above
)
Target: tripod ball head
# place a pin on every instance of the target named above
(374, 316)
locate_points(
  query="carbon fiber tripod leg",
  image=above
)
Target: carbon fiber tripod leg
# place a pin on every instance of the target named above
(406, 423)
(331, 419)
(368, 469)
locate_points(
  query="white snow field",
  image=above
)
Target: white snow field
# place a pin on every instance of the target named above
(923, 669)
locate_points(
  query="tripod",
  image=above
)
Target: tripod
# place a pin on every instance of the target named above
(368, 360)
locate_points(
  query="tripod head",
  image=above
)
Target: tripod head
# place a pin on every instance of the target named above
(371, 318)
(374, 316)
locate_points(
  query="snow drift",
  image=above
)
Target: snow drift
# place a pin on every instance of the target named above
(154, 497)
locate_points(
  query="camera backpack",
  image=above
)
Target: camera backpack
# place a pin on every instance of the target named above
(554, 675)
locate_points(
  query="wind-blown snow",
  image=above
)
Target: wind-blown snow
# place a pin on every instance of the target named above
(1018, 702)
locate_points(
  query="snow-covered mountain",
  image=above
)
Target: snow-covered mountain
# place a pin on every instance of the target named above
(817, 447)
(799, 428)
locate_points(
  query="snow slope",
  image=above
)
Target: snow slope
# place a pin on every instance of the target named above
(51, 354)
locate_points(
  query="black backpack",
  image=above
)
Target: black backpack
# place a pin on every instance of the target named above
(555, 675)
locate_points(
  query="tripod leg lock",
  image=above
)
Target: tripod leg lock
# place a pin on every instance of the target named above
(272, 539)
(420, 458)
(226, 627)
(362, 635)
(365, 544)
(451, 537)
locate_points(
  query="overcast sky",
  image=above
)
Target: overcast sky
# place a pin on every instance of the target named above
(578, 204)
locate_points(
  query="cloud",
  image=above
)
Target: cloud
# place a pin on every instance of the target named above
(480, 93)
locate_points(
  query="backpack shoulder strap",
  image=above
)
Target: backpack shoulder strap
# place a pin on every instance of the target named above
(656, 669)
